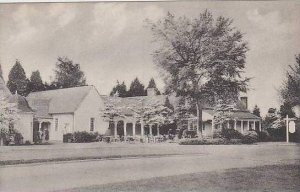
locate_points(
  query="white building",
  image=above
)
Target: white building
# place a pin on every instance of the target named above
(67, 110)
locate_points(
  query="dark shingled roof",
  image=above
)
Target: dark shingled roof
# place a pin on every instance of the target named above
(58, 101)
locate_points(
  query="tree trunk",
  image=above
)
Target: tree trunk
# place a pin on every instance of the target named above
(199, 118)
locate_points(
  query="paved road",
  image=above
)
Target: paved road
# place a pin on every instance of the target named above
(62, 176)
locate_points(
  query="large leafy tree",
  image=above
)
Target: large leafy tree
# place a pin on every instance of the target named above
(68, 74)
(290, 90)
(120, 90)
(17, 80)
(36, 82)
(202, 58)
(136, 88)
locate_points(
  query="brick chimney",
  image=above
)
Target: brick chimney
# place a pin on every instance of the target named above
(244, 101)
(151, 92)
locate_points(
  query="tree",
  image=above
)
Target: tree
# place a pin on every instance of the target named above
(1, 73)
(290, 90)
(286, 109)
(35, 83)
(256, 111)
(119, 89)
(17, 80)
(136, 88)
(201, 58)
(152, 84)
(8, 115)
(68, 74)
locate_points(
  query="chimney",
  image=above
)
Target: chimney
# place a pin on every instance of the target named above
(151, 92)
(244, 101)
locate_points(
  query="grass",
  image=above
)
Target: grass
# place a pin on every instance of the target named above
(264, 178)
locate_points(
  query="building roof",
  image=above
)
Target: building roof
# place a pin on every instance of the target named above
(21, 102)
(236, 114)
(128, 104)
(58, 101)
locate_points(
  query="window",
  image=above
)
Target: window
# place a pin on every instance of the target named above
(92, 124)
(56, 124)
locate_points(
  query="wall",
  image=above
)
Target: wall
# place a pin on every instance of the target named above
(25, 126)
(90, 108)
(65, 125)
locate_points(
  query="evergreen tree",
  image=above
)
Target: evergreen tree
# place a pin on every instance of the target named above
(17, 80)
(136, 88)
(256, 111)
(290, 91)
(119, 89)
(68, 74)
(152, 84)
(286, 109)
(36, 83)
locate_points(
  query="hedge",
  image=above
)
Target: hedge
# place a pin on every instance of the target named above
(82, 137)
(217, 141)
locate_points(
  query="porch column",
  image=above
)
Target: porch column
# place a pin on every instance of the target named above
(248, 125)
(115, 128)
(188, 124)
(125, 131)
(133, 129)
(142, 128)
(157, 129)
(40, 125)
(212, 127)
(235, 124)
(228, 124)
(150, 129)
(259, 125)
(242, 126)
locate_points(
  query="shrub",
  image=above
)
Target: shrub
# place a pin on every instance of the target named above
(67, 138)
(18, 138)
(250, 137)
(231, 134)
(277, 134)
(27, 142)
(217, 141)
(263, 136)
(82, 137)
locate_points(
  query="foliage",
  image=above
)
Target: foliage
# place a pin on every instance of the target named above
(231, 134)
(1, 73)
(264, 136)
(272, 120)
(68, 138)
(17, 80)
(277, 134)
(290, 90)
(249, 137)
(112, 109)
(286, 109)
(85, 137)
(222, 113)
(136, 88)
(18, 138)
(201, 58)
(217, 141)
(119, 90)
(35, 83)
(256, 111)
(152, 84)
(68, 74)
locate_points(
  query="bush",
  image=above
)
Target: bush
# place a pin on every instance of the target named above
(82, 137)
(231, 134)
(68, 138)
(27, 142)
(263, 136)
(250, 137)
(277, 134)
(217, 141)
(18, 138)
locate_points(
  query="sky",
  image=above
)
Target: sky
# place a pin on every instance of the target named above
(111, 41)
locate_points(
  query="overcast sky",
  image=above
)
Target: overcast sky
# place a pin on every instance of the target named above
(111, 42)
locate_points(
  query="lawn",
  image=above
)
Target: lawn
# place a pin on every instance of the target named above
(263, 178)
